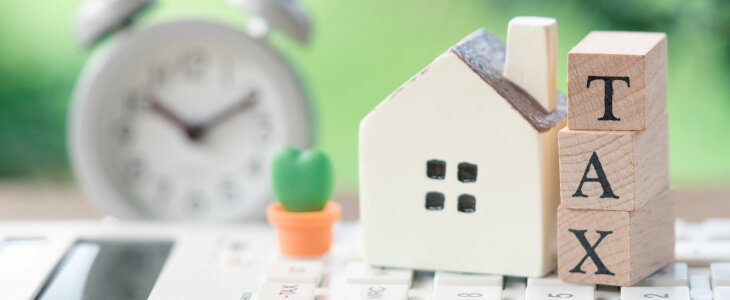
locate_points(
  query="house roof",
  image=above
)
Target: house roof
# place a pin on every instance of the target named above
(485, 54)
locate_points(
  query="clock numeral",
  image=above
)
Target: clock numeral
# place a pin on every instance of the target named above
(123, 132)
(228, 191)
(158, 76)
(227, 71)
(192, 64)
(163, 191)
(136, 101)
(253, 167)
(132, 102)
(135, 170)
(266, 128)
(195, 201)
(264, 121)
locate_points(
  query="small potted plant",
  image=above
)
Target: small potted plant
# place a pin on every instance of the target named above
(304, 215)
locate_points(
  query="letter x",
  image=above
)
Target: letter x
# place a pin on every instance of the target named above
(591, 252)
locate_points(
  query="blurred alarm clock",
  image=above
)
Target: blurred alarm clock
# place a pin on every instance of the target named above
(178, 121)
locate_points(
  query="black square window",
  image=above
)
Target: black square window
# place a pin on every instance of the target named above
(467, 203)
(436, 169)
(434, 201)
(467, 172)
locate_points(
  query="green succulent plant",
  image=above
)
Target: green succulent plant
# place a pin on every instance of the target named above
(302, 179)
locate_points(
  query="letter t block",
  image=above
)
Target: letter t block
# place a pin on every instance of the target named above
(616, 247)
(617, 80)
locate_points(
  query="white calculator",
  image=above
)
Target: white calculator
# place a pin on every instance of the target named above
(111, 260)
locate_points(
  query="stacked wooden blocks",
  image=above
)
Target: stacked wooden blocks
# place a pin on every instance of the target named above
(616, 219)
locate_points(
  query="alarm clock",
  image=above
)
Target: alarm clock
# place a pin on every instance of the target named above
(178, 121)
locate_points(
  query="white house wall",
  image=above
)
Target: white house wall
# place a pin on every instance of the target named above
(449, 113)
(551, 191)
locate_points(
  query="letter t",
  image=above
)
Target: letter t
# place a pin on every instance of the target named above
(608, 94)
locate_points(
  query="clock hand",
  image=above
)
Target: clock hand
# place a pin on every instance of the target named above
(247, 103)
(191, 131)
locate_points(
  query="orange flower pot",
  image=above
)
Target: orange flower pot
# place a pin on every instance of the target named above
(304, 233)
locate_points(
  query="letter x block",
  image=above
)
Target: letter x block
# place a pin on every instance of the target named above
(617, 80)
(616, 247)
(613, 170)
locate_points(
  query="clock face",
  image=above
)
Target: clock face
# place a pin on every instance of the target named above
(181, 122)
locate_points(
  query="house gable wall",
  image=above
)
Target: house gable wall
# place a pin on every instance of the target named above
(449, 113)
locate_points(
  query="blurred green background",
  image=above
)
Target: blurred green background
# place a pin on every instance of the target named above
(362, 50)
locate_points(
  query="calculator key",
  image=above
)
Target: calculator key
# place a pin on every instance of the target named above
(720, 274)
(286, 291)
(716, 229)
(444, 292)
(682, 230)
(702, 253)
(536, 292)
(656, 293)
(514, 288)
(699, 287)
(465, 279)
(606, 292)
(361, 273)
(553, 280)
(22, 263)
(675, 274)
(722, 293)
(374, 292)
(296, 271)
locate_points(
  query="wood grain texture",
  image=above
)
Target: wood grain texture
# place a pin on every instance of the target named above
(641, 56)
(635, 163)
(640, 242)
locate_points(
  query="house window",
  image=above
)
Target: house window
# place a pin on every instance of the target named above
(467, 203)
(434, 201)
(467, 172)
(436, 169)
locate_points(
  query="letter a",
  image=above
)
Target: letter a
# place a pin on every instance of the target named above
(607, 192)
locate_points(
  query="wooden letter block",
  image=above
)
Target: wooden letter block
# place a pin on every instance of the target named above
(616, 247)
(613, 170)
(617, 80)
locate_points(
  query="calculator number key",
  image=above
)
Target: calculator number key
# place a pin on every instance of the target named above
(467, 292)
(286, 291)
(560, 292)
(643, 293)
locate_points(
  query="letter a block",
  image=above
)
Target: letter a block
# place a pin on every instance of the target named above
(613, 170)
(617, 80)
(616, 247)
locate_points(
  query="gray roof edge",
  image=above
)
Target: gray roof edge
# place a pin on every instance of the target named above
(485, 54)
